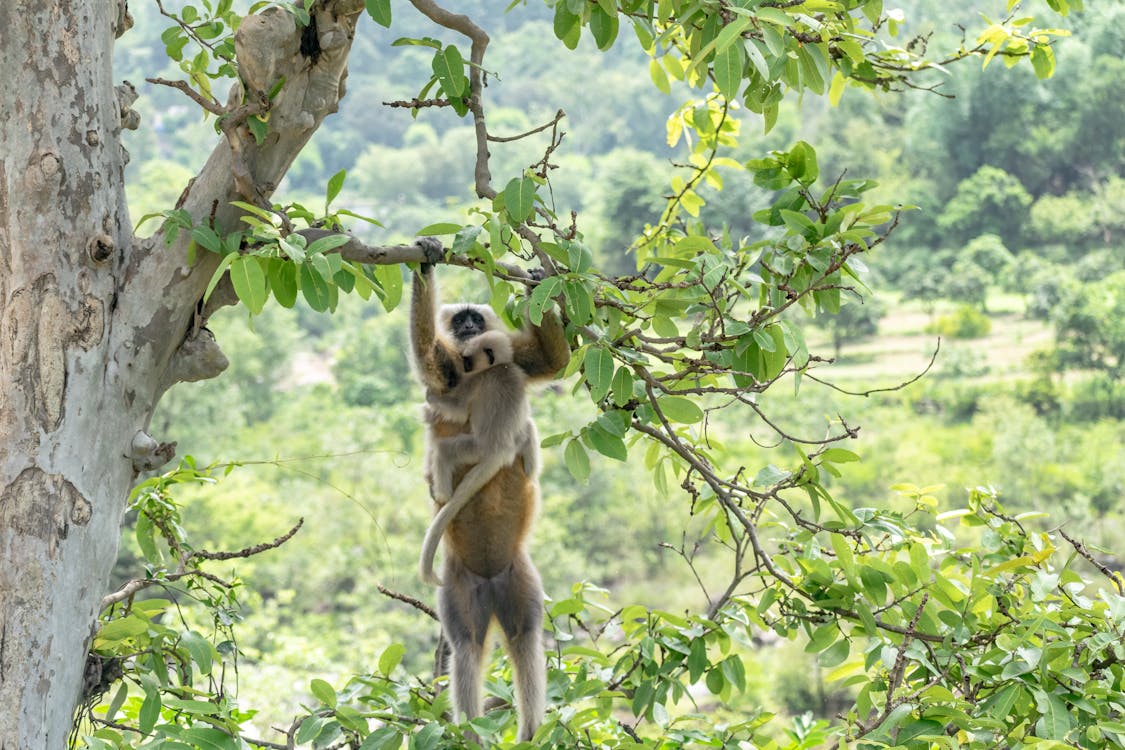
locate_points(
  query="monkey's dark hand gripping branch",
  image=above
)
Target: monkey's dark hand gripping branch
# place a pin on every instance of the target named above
(433, 250)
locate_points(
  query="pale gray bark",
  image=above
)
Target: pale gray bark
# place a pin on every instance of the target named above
(92, 323)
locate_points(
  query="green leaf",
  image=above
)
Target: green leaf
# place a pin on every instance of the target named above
(449, 67)
(283, 282)
(839, 456)
(577, 461)
(659, 77)
(380, 11)
(145, 533)
(1043, 61)
(200, 650)
(325, 244)
(310, 728)
(440, 228)
(541, 297)
(384, 738)
(604, 27)
(390, 280)
(680, 409)
(607, 444)
(599, 366)
(314, 288)
(391, 658)
(250, 283)
(122, 628)
(206, 738)
(568, 26)
(622, 386)
(429, 738)
(206, 237)
(259, 128)
(1054, 720)
(519, 198)
(335, 184)
(835, 654)
(697, 659)
(150, 710)
(802, 163)
(323, 692)
(579, 302)
(728, 67)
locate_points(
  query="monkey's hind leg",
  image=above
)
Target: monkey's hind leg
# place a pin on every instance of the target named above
(464, 619)
(519, 608)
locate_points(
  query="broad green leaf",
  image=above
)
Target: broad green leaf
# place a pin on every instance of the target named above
(839, 456)
(603, 26)
(1043, 61)
(200, 649)
(680, 409)
(391, 658)
(519, 198)
(730, 34)
(449, 67)
(659, 77)
(541, 297)
(774, 15)
(206, 738)
(390, 280)
(283, 282)
(438, 229)
(622, 386)
(325, 244)
(380, 11)
(314, 288)
(835, 654)
(150, 710)
(384, 738)
(577, 461)
(844, 556)
(599, 367)
(250, 283)
(579, 302)
(323, 692)
(836, 90)
(727, 68)
(122, 628)
(206, 237)
(607, 444)
(309, 730)
(1054, 719)
(802, 163)
(568, 26)
(335, 184)
(145, 533)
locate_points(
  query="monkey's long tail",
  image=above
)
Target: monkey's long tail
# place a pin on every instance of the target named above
(476, 478)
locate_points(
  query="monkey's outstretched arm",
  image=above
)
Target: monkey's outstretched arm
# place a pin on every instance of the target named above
(436, 367)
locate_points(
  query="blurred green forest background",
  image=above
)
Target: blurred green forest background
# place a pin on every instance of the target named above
(1016, 260)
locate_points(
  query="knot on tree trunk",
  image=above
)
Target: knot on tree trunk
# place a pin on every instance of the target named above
(148, 453)
(126, 95)
(198, 358)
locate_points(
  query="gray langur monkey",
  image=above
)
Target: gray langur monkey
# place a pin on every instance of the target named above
(487, 574)
(492, 397)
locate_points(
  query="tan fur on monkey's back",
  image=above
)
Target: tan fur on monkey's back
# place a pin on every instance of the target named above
(486, 535)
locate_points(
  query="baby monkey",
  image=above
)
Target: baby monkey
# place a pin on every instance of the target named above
(492, 399)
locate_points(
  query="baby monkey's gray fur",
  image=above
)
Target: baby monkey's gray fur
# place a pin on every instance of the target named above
(492, 398)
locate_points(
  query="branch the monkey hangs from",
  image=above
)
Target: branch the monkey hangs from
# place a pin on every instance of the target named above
(482, 459)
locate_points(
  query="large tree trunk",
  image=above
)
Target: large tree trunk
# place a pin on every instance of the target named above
(94, 325)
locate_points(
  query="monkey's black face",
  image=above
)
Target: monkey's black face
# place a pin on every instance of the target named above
(466, 324)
